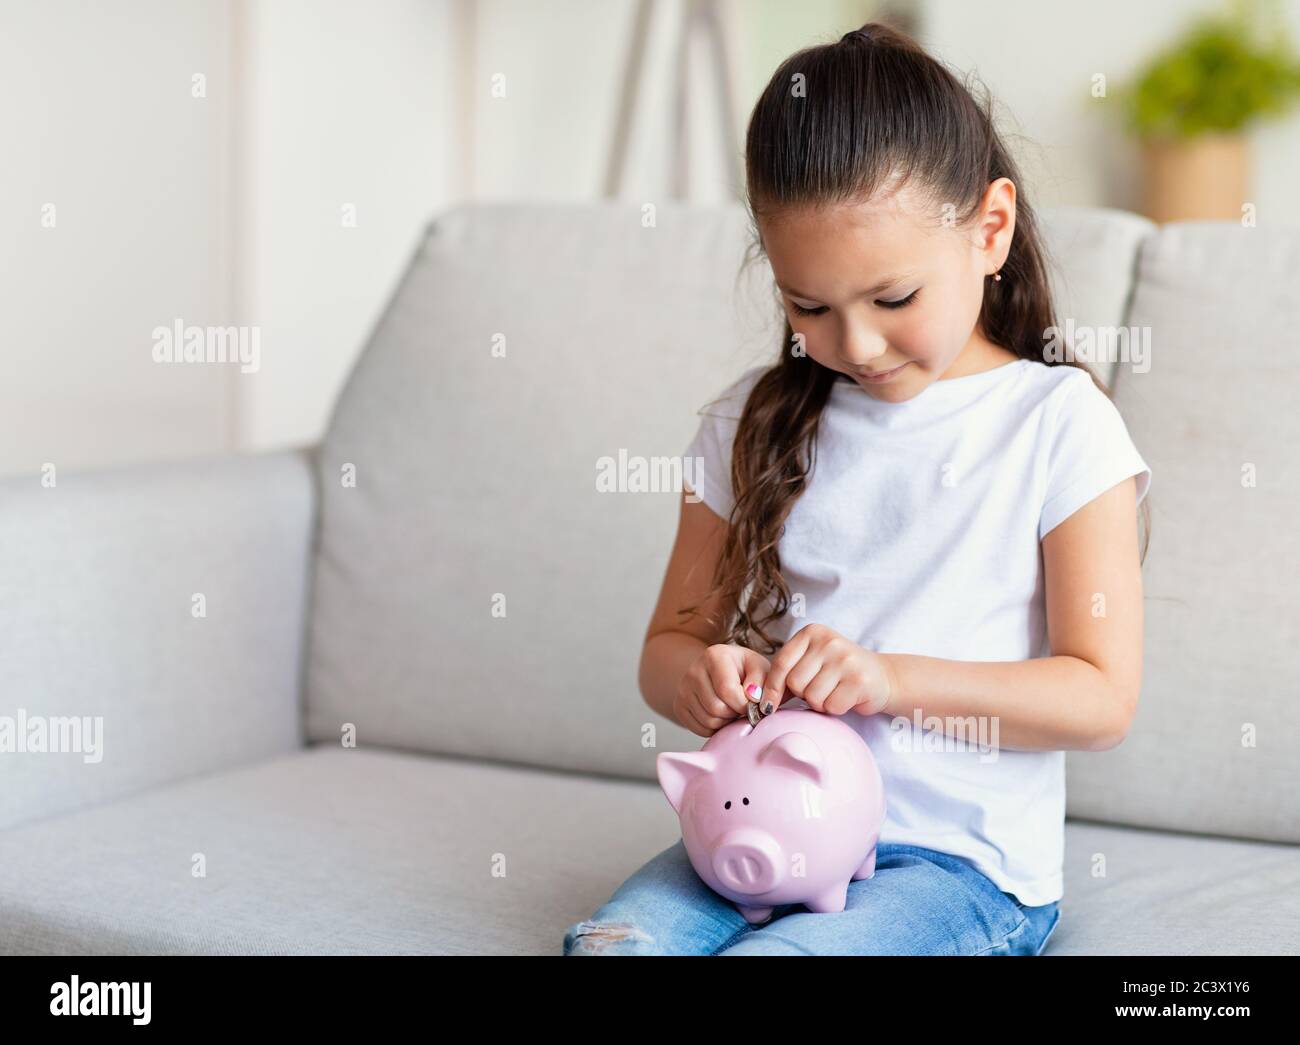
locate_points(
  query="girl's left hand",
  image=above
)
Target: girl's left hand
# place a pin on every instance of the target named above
(831, 674)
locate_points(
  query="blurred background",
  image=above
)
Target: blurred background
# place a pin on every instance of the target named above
(269, 164)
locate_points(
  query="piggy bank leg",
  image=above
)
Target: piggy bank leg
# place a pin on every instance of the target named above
(830, 901)
(756, 915)
(868, 868)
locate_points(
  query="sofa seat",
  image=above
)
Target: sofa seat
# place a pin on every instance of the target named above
(336, 851)
(1172, 893)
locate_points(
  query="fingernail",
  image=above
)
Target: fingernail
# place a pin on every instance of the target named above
(767, 708)
(753, 692)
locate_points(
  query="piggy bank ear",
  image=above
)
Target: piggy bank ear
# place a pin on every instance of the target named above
(799, 752)
(677, 769)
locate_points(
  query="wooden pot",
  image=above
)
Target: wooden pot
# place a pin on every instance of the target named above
(1199, 179)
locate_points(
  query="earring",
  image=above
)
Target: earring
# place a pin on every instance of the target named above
(997, 276)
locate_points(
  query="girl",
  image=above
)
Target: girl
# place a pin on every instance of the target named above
(924, 519)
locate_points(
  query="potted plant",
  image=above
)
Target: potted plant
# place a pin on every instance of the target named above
(1191, 104)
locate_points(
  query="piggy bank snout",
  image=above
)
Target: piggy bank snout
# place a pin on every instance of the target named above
(748, 860)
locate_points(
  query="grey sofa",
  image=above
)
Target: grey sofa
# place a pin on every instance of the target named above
(442, 580)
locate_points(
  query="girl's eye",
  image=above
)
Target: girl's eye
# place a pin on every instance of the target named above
(901, 303)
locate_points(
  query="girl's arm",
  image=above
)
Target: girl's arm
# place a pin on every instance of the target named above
(1085, 694)
(672, 645)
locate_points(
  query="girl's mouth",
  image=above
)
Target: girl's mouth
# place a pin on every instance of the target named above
(882, 376)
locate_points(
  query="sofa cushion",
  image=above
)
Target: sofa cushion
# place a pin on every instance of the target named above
(1092, 254)
(476, 593)
(329, 851)
(339, 851)
(1213, 746)
(1135, 891)
(99, 625)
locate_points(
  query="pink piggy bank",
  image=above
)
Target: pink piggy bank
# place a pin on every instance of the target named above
(784, 812)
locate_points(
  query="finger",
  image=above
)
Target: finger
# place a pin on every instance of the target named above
(725, 681)
(691, 701)
(842, 699)
(711, 712)
(691, 720)
(819, 686)
(756, 669)
(800, 677)
(802, 680)
(713, 723)
(774, 685)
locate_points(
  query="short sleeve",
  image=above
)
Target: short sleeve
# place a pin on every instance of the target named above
(706, 463)
(1090, 452)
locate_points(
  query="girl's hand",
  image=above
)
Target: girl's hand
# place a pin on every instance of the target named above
(712, 692)
(831, 674)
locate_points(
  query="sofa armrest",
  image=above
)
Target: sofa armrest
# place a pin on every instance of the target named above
(152, 619)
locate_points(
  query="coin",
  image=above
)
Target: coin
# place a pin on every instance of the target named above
(754, 714)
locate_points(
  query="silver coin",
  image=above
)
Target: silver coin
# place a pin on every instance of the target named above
(754, 714)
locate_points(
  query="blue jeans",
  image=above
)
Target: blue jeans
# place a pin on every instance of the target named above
(919, 902)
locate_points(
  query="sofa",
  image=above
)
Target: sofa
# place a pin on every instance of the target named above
(378, 695)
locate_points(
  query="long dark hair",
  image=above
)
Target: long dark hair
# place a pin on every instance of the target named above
(875, 111)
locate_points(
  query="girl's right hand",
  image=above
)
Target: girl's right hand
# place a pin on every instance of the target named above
(712, 692)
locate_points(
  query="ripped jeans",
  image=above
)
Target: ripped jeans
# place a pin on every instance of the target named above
(919, 902)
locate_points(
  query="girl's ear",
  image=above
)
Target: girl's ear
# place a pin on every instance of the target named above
(997, 224)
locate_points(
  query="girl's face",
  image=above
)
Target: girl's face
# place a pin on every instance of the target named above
(876, 290)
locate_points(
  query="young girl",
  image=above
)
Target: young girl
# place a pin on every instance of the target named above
(916, 519)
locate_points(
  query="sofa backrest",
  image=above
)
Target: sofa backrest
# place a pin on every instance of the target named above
(476, 594)
(1215, 747)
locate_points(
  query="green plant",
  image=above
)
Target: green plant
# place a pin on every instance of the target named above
(1221, 74)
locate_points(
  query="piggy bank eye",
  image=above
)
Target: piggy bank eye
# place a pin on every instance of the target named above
(746, 801)
(727, 805)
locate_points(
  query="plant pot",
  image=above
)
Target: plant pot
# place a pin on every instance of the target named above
(1199, 179)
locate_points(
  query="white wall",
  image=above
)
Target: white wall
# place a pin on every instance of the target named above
(226, 210)
(222, 210)
(396, 106)
(349, 104)
(391, 107)
(548, 136)
(100, 122)
(1039, 60)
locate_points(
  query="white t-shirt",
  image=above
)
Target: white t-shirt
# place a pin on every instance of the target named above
(918, 532)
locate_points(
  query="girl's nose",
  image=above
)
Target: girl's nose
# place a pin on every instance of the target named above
(861, 350)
